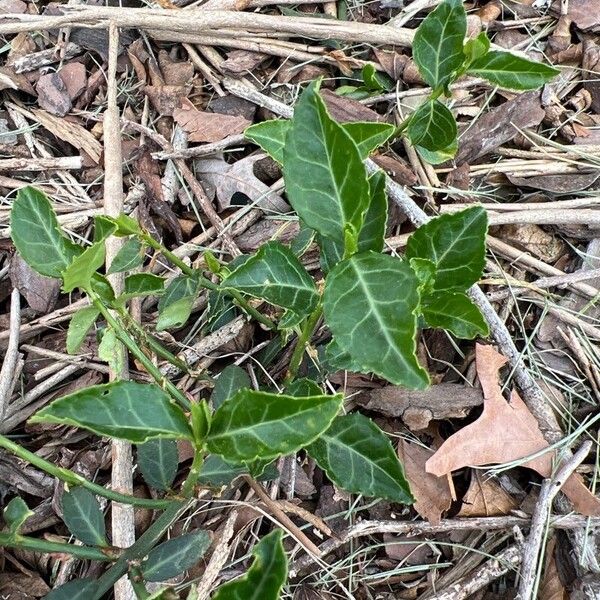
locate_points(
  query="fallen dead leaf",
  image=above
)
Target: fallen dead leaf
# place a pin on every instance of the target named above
(506, 431)
(40, 292)
(166, 99)
(560, 183)
(432, 493)
(207, 127)
(551, 587)
(584, 13)
(486, 498)
(532, 238)
(344, 109)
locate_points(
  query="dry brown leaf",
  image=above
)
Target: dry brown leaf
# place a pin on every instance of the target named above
(532, 238)
(551, 587)
(207, 127)
(506, 431)
(40, 292)
(559, 182)
(584, 13)
(432, 493)
(486, 498)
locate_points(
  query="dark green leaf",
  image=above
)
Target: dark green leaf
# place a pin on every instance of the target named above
(78, 589)
(216, 472)
(301, 243)
(103, 288)
(270, 136)
(477, 47)
(79, 273)
(511, 71)
(456, 313)
(375, 81)
(358, 457)
(425, 271)
(173, 557)
(81, 322)
(175, 305)
(276, 275)
(368, 135)
(432, 126)
(111, 351)
(220, 310)
(37, 234)
(260, 425)
(334, 197)
(15, 514)
(103, 228)
(83, 517)
(438, 43)
(372, 234)
(231, 379)
(455, 244)
(370, 305)
(331, 254)
(129, 257)
(127, 410)
(304, 387)
(437, 157)
(337, 359)
(266, 577)
(143, 284)
(158, 460)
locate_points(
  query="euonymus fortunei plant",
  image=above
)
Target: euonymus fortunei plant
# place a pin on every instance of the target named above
(372, 304)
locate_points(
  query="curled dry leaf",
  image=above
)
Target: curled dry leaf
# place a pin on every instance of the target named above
(207, 127)
(486, 498)
(506, 431)
(432, 493)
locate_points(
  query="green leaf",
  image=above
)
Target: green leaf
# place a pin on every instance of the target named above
(103, 287)
(260, 425)
(220, 310)
(83, 517)
(372, 234)
(79, 273)
(477, 47)
(270, 136)
(301, 243)
(456, 313)
(81, 322)
(111, 351)
(127, 410)
(438, 43)
(275, 274)
(78, 589)
(425, 271)
(329, 190)
(358, 457)
(158, 461)
(304, 387)
(15, 514)
(175, 305)
(369, 135)
(432, 126)
(129, 257)
(370, 305)
(374, 81)
(216, 472)
(438, 156)
(337, 359)
(126, 225)
(143, 284)
(103, 227)
(455, 244)
(331, 254)
(231, 379)
(512, 72)
(37, 235)
(265, 579)
(173, 557)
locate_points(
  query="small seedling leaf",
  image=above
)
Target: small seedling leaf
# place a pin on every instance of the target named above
(15, 514)
(81, 322)
(111, 351)
(372, 234)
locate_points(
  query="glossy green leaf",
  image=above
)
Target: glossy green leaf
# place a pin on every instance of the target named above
(276, 275)
(175, 305)
(432, 126)
(158, 461)
(370, 305)
(111, 351)
(127, 410)
(265, 579)
(231, 379)
(173, 557)
(77, 589)
(216, 472)
(81, 322)
(477, 47)
(331, 254)
(368, 135)
(103, 227)
(302, 242)
(260, 425)
(374, 80)
(512, 72)
(103, 288)
(358, 457)
(83, 517)
(455, 312)
(143, 284)
(328, 190)
(425, 271)
(436, 157)
(37, 235)
(129, 257)
(15, 513)
(270, 136)
(455, 244)
(220, 310)
(438, 43)
(372, 234)
(337, 359)
(304, 387)
(79, 273)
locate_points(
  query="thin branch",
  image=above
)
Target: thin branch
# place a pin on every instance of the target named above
(12, 353)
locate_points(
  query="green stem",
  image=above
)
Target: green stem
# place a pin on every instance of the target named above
(41, 545)
(137, 583)
(72, 478)
(207, 283)
(130, 344)
(303, 339)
